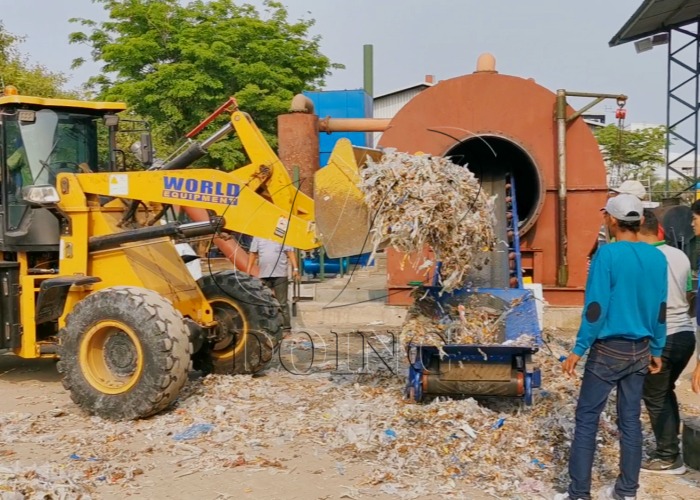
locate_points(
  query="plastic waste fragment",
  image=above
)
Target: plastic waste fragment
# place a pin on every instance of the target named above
(193, 432)
(75, 456)
(537, 463)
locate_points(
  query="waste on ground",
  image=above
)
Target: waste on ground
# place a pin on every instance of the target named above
(410, 450)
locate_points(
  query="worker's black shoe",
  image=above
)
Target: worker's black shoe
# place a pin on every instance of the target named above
(661, 466)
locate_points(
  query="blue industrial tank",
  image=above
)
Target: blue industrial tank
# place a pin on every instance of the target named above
(341, 104)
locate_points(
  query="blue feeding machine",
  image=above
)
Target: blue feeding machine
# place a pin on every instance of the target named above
(504, 368)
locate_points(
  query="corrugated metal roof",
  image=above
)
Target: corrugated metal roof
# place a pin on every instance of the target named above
(388, 105)
(657, 16)
(421, 86)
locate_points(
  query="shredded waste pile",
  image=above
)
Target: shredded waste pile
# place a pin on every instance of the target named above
(42, 482)
(468, 322)
(428, 200)
(361, 428)
(419, 329)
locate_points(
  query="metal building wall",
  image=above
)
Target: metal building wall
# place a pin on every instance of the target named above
(388, 105)
(341, 104)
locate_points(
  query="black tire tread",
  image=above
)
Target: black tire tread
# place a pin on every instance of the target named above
(263, 314)
(167, 338)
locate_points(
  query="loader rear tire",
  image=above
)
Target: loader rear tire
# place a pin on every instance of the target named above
(125, 353)
(250, 324)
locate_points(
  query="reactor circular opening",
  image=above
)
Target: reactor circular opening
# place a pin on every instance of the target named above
(491, 159)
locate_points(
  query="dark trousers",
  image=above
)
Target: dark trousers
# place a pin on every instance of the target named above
(612, 363)
(280, 287)
(660, 397)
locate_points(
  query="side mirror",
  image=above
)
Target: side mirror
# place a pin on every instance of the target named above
(146, 149)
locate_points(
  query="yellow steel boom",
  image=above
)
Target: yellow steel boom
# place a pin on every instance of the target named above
(258, 199)
(228, 195)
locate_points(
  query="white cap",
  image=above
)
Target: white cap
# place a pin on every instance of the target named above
(625, 207)
(634, 188)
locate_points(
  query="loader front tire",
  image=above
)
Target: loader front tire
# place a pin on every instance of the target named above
(249, 324)
(125, 353)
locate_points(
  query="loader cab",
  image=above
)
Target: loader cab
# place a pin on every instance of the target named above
(39, 139)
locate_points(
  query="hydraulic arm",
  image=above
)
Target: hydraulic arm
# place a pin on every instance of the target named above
(258, 199)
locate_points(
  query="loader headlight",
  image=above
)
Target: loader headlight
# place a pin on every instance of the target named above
(40, 195)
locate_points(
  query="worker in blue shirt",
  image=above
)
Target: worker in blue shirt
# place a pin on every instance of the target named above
(624, 326)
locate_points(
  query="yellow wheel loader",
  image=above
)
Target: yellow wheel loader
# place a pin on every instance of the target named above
(90, 273)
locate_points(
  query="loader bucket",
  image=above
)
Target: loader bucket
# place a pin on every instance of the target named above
(342, 217)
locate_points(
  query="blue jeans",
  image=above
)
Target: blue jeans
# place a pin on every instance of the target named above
(611, 363)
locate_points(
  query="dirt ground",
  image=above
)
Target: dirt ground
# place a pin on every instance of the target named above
(259, 449)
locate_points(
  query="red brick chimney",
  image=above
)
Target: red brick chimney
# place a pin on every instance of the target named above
(429, 78)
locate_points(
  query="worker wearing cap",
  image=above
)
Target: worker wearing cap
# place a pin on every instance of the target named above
(659, 395)
(635, 188)
(623, 325)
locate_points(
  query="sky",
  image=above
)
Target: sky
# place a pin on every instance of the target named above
(559, 43)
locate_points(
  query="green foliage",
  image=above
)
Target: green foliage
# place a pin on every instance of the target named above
(632, 154)
(677, 188)
(29, 78)
(176, 63)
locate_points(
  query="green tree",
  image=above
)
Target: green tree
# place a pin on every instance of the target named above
(131, 127)
(29, 78)
(174, 64)
(677, 188)
(632, 154)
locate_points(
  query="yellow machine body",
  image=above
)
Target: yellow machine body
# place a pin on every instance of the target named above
(92, 275)
(258, 199)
